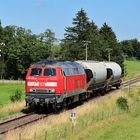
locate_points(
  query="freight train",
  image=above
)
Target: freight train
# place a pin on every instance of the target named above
(60, 83)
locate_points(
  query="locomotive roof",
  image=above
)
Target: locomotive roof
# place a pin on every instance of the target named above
(54, 63)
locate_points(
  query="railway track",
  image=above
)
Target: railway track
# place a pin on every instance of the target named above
(20, 121)
(32, 117)
(130, 82)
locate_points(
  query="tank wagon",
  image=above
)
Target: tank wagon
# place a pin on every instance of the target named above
(101, 76)
(60, 83)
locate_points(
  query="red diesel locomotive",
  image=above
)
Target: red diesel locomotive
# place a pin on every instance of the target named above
(55, 83)
(60, 83)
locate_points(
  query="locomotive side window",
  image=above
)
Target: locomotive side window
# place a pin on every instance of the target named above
(49, 72)
(73, 71)
(81, 70)
(66, 71)
(36, 72)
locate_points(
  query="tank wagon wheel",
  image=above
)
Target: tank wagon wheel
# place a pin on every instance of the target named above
(102, 92)
(118, 86)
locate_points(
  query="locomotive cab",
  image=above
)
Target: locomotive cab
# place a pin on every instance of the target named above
(43, 84)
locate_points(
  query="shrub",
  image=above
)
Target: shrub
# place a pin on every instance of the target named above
(122, 103)
(17, 96)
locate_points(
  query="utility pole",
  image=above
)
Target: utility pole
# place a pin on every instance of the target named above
(124, 58)
(109, 52)
(2, 58)
(86, 44)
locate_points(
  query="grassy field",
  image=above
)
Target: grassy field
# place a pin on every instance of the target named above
(6, 106)
(7, 90)
(96, 120)
(132, 68)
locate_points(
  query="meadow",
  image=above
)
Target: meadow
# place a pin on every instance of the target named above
(6, 106)
(7, 90)
(132, 69)
(99, 119)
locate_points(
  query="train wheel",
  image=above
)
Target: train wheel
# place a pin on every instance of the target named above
(117, 86)
(64, 104)
(37, 107)
(102, 92)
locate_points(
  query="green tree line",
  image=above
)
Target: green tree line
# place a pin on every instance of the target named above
(20, 47)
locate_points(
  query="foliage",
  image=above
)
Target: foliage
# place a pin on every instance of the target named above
(100, 41)
(17, 96)
(122, 103)
(73, 47)
(131, 48)
(20, 47)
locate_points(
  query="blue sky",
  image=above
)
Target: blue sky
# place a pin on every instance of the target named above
(38, 15)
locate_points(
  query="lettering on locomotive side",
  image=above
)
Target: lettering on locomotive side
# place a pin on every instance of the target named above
(32, 83)
(51, 84)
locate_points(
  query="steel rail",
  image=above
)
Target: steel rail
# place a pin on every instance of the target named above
(20, 121)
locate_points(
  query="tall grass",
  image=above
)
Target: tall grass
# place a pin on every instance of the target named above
(94, 114)
(132, 69)
(60, 126)
(10, 109)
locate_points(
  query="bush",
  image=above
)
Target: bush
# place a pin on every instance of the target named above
(122, 103)
(17, 96)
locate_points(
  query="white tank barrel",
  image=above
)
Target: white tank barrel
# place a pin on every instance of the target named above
(98, 70)
(116, 69)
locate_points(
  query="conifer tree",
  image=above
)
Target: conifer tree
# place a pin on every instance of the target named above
(72, 47)
(110, 45)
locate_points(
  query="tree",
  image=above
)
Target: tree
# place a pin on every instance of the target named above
(127, 48)
(92, 34)
(47, 40)
(136, 48)
(72, 46)
(110, 45)
(131, 48)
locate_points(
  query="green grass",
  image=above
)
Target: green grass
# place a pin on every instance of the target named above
(124, 126)
(132, 68)
(119, 125)
(7, 90)
(125, 129)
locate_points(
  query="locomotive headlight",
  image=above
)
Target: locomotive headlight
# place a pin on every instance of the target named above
(32, 90)
(52, 90)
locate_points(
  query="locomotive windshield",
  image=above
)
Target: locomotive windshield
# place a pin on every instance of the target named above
(49, 72)
(36, 72)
